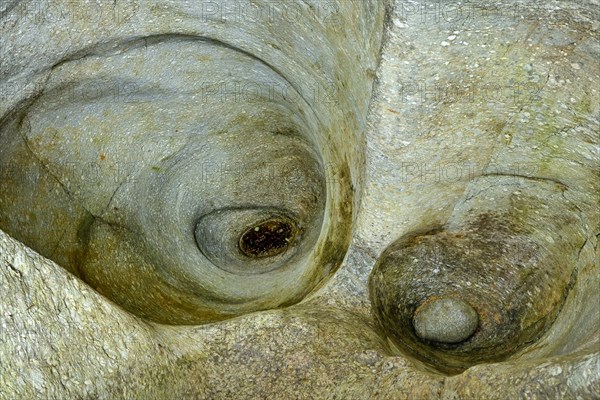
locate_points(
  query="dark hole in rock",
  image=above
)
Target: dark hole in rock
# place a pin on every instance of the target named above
(267, 239)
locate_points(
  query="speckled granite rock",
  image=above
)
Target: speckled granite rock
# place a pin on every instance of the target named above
(477, 180)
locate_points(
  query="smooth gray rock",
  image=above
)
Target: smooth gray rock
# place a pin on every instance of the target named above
(445, 321)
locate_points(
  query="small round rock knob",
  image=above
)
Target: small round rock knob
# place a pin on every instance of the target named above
(445, 321)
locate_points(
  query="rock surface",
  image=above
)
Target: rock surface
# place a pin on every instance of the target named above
(486, 108)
